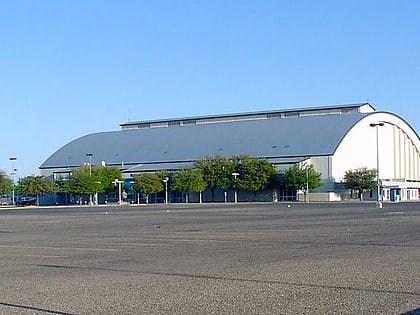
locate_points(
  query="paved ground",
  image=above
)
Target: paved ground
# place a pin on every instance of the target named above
(211, 259)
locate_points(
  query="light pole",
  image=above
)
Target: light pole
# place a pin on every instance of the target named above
(306, 164)
(96, 194)
(118, 182)
(90, 163)
(378, 186)
(165, 181)
(307, 183)
(13, 159)
(90, 174)
(236, 192)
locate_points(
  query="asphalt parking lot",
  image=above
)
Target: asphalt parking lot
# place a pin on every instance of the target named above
(211, 259)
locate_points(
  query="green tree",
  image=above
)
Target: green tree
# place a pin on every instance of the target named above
(189, 180)
(213, 170)
(227, 167)
(360, 180)
(89, 181)
(301, 177)
(246, 173)
(81, 182)
(254, 174)
(147, 183)
(104, 176)
(36, 185)
(6, 185)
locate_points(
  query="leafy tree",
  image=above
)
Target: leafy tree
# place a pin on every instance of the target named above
(361, 180)
(162, 174)
(86, 181)
(6, 185)
(104, 177)
(36, 185)
(228, 166)
(81, 183)
(254, 174)
(213, 170)
(301, 177)
(147, 183)
(188, 180)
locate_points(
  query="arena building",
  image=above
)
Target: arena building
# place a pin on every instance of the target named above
(334, 139)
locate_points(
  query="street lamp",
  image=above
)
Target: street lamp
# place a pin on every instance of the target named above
(13, 159)
(165, 181)
(306, 164)
(378, 201)
(307, 183)
(118, 182)
(96, 194)
(236, 192)
(90, 163)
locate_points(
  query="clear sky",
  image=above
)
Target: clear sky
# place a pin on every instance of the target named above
(73, 67)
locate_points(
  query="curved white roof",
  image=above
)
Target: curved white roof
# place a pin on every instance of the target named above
(397, 143)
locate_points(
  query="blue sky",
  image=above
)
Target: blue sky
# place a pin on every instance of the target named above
(69, 68)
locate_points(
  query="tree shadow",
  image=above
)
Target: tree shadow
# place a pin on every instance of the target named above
(413, 312)
(26, 307)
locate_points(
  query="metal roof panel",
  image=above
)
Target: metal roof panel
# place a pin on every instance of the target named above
(271, 138)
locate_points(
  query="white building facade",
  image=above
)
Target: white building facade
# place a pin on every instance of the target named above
(334, 139)
(381, 141)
